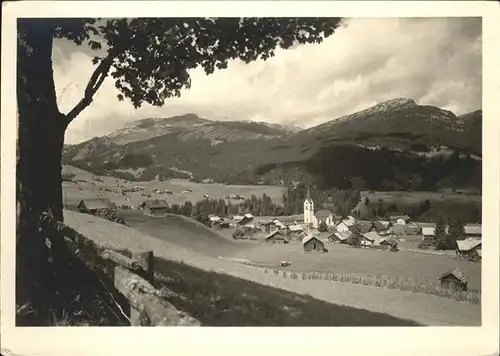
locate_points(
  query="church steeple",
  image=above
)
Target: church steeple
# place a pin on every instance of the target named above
(308, 193)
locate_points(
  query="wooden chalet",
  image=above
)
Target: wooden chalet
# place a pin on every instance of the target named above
(268, 226)
(455, 280)
(340, 237)
(276, 237)
(399, 219)
(312, 243)
(466, 248)
(154, 206)
(92, 206)
(389, 244)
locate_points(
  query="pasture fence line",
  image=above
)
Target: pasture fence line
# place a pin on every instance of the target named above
(129, 277)
(421, 285)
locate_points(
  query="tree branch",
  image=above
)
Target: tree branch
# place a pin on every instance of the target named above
(93, 85)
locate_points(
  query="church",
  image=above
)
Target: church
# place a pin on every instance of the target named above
(314, 219)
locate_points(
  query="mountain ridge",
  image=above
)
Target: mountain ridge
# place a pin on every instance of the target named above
(248, 151)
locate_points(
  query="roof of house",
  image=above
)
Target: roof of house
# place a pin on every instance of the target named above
(274, 233)
(309, 237)
(343, 235)
(215, 218)
(404, 217)
(378, 225)
(467, 245)
(430, 230)
(372, 236)
(389, 241)
(249, 216)
(472, 229)
(267, 222)
(386, 223)
(296, 227)
(155, 203)
(347, 222)
(457, 273)
(364, 225)
(94, 204)
(323, 214)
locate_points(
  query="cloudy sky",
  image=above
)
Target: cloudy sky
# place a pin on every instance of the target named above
(434, 61)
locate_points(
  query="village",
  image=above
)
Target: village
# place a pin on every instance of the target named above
(316, 230)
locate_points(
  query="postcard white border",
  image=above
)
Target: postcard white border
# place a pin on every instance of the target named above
(249, 341)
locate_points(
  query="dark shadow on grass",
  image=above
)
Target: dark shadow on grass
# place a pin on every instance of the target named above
(222, 300)
(80, 300)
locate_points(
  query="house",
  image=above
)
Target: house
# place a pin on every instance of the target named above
(455, 280)
(370, 239)
(345, 225)
(323, 216)
(466, 248)
(268, 226)
(477, 255)
(387, 224)
(379, 227)
(340, 237)
(92, 206)
(241, 220)
(275, 237)
(473, 231)
(312, 243)
(365, 226)
(400, 219)
(154, 206)
(389, 244)
(218, 222)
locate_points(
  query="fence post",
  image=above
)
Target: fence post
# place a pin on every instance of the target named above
(145, 259)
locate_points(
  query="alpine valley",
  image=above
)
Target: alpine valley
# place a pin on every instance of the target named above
(394, 145)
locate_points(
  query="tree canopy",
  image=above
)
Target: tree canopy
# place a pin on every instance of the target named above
(149, 58)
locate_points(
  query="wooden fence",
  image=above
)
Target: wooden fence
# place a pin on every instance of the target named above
(129, 277)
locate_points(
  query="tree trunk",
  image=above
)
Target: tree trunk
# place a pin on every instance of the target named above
(40, 142)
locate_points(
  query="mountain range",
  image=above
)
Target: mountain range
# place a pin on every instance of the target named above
(396, 144)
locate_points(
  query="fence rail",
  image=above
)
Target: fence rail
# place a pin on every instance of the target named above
(131, 277)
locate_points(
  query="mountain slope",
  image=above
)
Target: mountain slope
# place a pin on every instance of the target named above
(400, 138)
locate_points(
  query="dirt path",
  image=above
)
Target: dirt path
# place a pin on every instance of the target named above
(425, 309)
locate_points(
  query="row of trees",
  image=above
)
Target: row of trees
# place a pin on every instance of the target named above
(447, 240)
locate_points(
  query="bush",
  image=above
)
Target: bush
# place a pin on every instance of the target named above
(238, 234)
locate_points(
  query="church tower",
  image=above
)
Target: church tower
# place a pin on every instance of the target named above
(308, 209)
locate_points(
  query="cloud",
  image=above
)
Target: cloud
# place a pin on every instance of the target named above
(434, 61)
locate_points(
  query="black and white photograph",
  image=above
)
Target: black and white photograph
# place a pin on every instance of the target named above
(248, 171)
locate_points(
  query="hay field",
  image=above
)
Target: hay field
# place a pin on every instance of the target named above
(345, 259)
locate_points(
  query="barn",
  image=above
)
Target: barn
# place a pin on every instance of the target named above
(92, 206)
(275, 237)
(455, 280)
(312, 243)
(155, 206)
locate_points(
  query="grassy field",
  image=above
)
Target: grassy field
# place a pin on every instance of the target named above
(406, 201)
(181, 231)
(344, 259)
(76, 191)
(422, 308)
(221, 300)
